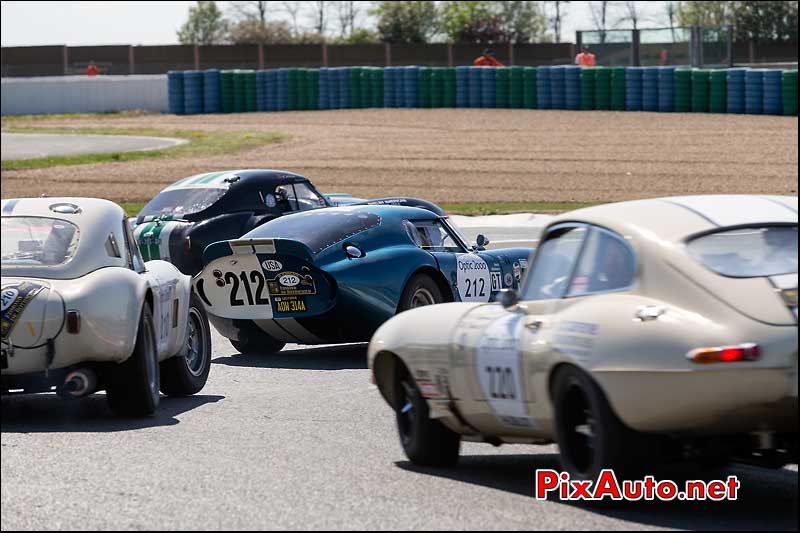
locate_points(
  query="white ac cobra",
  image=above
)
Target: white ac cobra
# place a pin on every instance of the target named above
(646, 329)
(82, 312)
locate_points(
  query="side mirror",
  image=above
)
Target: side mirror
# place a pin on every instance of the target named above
(482, 240)
(509, 298)
(353, 252)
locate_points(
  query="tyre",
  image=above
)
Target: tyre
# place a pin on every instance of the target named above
(133, 386)
(425, 441)
(254, 340)
(590, 437)
(187, 374)
(420, 290)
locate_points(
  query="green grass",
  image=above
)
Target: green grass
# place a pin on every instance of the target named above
(201, 143)
(26, 119)
(132, 208)
(497, 208)
(503, 208)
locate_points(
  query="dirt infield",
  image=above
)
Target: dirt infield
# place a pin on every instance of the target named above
(465, 155)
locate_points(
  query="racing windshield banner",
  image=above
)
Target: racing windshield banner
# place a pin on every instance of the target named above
(15, 298)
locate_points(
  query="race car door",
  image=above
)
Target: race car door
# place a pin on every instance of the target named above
(472, 277)
(497, 360)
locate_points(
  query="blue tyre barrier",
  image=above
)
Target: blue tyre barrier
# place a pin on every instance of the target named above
(211, 96)
(192, 92)
(666, 89)
(572, 88)
(650, 89)
(261, 90)
(557, 97)
(410, 86)
(488, 87)
(475, 84)
(736, 90)
(633, 88)
(462, 86)
(324, 89)
(754, 91)
(543, 99)
(175, 91)
(282, 89)
(773, 92)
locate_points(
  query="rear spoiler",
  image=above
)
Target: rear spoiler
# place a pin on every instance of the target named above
(256, 246)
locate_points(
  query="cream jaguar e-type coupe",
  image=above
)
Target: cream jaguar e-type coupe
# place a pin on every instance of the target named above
(643, 330)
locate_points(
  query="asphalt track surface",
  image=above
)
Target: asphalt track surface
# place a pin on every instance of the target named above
(35, 145)
(302, 440)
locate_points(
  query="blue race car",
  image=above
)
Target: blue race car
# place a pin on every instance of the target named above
(335, 275)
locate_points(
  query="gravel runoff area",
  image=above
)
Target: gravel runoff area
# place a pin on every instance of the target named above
(463, 155)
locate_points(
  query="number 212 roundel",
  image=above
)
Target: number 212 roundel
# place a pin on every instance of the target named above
(473, 278)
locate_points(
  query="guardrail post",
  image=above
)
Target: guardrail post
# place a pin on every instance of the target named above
(65, 60)
(131, 61)
(196, 57)
(510, 53)
(260, 56)
(579, 40)
(387, 51)
(449, 54)
(636, 60)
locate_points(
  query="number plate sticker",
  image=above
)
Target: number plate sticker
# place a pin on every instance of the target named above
(290, 304)
(498, 362)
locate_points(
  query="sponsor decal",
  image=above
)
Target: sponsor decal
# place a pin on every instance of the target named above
(15, 298)
(270, 200)
(497, 281)
(429, 389)
(272, 265)
(575, 338)
(509, 279)
(291, 284)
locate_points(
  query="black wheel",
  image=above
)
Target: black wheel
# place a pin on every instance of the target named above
(132, 388)
(590, 436)
(254, 340)
(425, 441)
(187, 374)
(420, 290)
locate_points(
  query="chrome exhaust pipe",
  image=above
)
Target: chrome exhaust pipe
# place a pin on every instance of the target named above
(79, 383)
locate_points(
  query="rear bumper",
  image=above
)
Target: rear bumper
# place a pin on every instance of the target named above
(704, 402)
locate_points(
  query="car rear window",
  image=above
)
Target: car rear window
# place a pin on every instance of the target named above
(748, 252)
(180, 202)
(318, 229)
(38, 241)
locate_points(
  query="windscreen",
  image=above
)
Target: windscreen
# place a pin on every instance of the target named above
(181, 202)
(37, 241)
(748, 252)
(317, 229)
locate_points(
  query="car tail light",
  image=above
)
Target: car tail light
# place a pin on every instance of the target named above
(73, 321)
(725, 354)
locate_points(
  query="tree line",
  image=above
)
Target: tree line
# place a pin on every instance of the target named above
(468, 22)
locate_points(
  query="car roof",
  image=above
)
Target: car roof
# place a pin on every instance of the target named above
(95, 219)
(678, 217)
(225, 178)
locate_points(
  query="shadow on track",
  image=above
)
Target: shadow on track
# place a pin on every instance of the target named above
(339, 357)
(47, 413)
(768, 499)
